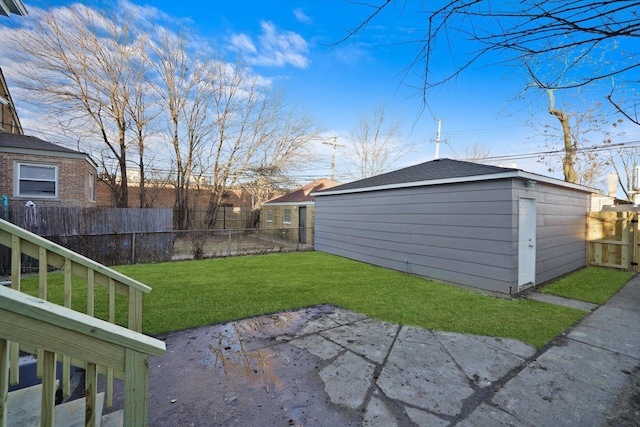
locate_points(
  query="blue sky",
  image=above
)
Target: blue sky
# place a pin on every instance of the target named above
(293, 44)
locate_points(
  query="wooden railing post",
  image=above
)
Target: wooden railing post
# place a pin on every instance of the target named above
(135, 310)
(4, 381)
(91, 393)
(47, 409)
(16, 267)
(136, 384)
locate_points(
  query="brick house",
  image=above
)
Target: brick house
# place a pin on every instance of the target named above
(295, 210)
(45, 173)
(35, 170)
(9, 121)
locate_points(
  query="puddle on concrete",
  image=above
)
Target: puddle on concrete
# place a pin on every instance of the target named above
(227, 356)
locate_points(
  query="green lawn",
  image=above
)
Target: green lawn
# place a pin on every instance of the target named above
(189, 294)
(591, 284)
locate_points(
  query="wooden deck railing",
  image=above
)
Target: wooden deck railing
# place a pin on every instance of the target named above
(54, 330)
(50, 255)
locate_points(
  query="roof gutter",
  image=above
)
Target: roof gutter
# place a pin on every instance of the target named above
(12, 6)
(528, 176)
(305, 203)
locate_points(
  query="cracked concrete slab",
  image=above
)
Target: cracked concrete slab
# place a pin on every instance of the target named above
(609, 327)
(577, 382)
(377, 415)
(425, 376)
(369, 338)
(491, 358)
(486, 415)
(325, 365)
(347, 380)
(318, 346)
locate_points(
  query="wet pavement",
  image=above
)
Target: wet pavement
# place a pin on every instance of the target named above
(326, 366)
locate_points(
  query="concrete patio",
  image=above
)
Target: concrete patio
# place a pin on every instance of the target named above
(326, 366)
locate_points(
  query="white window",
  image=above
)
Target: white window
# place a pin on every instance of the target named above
(36, 180)
(269, 215)
(92, 187)
(287, 216)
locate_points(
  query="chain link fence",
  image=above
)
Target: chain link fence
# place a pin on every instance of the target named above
(137, 248)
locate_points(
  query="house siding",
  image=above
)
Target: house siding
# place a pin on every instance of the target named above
(464, 233)
(561, 230)
(461, 233)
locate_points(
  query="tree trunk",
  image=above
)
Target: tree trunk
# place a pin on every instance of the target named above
(212, 209)
(143, 178)
(570, 149)
(123, 195)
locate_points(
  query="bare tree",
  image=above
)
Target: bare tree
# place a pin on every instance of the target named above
(79, 66)
(624, 160)
(629, 107)
(115, 78)
(477, 153)
(255, 128)
(595, 42)
(375, 143)
(583, 138)
(570, 144)
(525, 30)
(142, 110)
(184, 95)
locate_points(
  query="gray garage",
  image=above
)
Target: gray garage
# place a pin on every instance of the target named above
(494, 228)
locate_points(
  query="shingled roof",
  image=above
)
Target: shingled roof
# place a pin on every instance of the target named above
(14, 141)
(440, 171)
(303, 194)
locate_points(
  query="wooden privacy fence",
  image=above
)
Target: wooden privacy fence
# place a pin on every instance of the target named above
(70, 221)
(613, 239)
(106, 235)
(78, 272)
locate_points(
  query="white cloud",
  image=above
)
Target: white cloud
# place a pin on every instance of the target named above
(274, 48)
(301, 16)
(352, 54)
(243, 43)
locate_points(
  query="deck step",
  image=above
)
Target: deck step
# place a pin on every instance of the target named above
(24, 409)
(113, 419)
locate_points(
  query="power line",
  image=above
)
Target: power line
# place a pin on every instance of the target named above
(628, 145)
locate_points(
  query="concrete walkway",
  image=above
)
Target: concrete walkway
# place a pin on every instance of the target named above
(325, 366)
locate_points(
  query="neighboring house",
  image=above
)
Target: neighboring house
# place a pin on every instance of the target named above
(498, 229)
(46, 174)
(9, 121)
(294, 210)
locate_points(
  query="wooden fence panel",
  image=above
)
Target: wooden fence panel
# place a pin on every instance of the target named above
(69, 221)
(613, 240)
(109, 236)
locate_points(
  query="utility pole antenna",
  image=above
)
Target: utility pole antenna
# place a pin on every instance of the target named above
(333, 144)
(438, 139)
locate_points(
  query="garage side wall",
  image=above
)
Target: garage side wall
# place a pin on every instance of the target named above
(461, 233)
(561, 227)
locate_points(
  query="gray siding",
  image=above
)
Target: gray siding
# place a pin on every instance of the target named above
(461, 233)
(561, 230)
(465, 233)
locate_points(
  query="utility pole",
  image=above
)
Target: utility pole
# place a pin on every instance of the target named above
(333, 144)
(438, 138)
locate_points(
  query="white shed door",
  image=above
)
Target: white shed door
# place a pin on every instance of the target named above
(526, 243)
